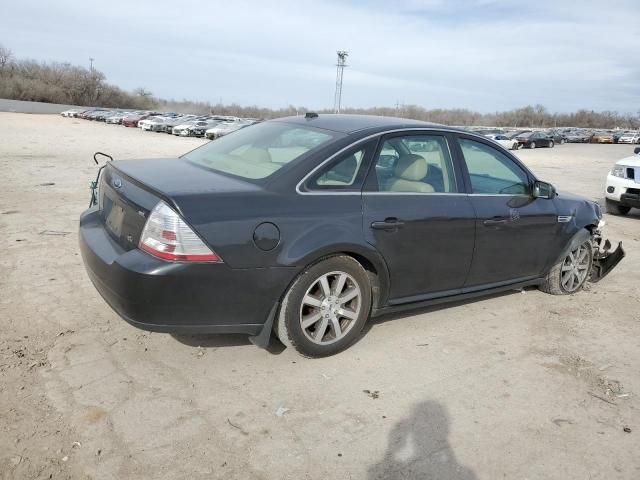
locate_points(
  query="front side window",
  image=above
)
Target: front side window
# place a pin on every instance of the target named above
(415, 164)
(260, 150)
(491, 171)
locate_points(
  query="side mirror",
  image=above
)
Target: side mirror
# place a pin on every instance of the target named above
(543, 190)
(636, 150)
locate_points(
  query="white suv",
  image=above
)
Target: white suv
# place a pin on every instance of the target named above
(622, 190)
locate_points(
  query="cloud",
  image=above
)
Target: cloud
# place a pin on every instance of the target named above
(481, 54)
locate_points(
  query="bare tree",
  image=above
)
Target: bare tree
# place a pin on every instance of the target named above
(5, 56)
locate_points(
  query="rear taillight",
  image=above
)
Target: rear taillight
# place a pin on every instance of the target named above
(167, 236)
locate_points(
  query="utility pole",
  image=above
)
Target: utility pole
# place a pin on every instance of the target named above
(91, 59)
(342, 62)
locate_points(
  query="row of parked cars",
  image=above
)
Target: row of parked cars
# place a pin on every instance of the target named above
(515, 139)
(184, 125)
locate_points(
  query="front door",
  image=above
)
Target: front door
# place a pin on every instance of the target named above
(417, 216)
(514, 231)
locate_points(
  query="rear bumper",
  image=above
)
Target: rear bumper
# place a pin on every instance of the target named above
(160, 296)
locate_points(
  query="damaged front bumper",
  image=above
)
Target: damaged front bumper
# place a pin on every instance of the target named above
(604, 259)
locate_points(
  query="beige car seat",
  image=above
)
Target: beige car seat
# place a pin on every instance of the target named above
(408, 175)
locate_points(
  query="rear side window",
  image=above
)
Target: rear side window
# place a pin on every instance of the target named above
(346, 173)
(491, 171)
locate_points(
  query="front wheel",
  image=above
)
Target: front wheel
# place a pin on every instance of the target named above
(325, 308)
(571, 273)
(614, 208)
(532, 145)
(551, 144)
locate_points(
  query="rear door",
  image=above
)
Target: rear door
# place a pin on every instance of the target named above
(514, 231)
(416, 214)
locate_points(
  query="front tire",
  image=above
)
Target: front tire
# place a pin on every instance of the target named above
(614, 208)
(551, 144)
(532, 145)
(325, 308)
(572, 272)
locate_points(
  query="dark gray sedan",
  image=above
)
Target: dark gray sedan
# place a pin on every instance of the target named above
(308, 226)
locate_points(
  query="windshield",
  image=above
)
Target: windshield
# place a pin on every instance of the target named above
(260, 150)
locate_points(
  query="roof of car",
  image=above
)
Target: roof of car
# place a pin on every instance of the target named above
(354, 123)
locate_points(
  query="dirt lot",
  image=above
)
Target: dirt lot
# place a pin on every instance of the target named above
(520, 385)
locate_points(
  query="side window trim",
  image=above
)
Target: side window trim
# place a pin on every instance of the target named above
(465, 172)
(371, 183)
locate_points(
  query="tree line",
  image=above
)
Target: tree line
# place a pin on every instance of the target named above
(63, 83)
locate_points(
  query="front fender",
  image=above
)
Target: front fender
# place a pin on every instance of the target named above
(578, 239)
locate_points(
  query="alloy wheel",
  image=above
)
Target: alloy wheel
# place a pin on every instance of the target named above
(330, 307)
(575, 268)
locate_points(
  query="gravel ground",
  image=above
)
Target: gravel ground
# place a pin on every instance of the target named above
(518, 385)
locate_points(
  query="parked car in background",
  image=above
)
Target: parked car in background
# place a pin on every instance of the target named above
(71, 112)
(505, 141)
(175, 121)
(534, 140)
(602, 137)
(249, 233)
(622, 188)
(153, 124)
(132, 120)
(116, 118)
(102, 116)
(579, 136)
(199, 128)
(224, 128)
(93, 114)
(558, 137)
(629, 137)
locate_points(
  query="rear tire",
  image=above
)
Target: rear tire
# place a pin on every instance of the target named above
(614, 208)
(551, 144)
(570, 274)
(325, 308)
(532, 145)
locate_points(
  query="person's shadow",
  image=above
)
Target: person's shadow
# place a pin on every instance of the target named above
(418, 449)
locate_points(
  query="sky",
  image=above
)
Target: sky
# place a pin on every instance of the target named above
(484, 55)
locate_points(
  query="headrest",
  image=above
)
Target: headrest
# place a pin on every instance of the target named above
(411, 167)
(257, 155)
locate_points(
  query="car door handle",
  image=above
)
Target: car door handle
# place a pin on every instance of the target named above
(494, 221)
(388, 224)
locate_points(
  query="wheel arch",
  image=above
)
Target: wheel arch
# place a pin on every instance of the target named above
(370, 259)
(578, 238)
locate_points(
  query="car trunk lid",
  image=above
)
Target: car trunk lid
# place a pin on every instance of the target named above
(130, 189)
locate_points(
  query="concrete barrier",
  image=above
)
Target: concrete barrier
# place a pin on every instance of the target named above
(20, 106)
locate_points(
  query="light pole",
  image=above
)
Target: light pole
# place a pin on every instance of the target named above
(342, 62)
(91, 59)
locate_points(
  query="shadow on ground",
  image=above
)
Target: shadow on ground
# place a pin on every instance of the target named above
(418, 448)
(226, 340)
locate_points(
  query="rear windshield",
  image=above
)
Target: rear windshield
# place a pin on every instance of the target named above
(260, 150)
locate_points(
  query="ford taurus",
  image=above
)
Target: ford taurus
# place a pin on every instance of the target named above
(308, 226)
